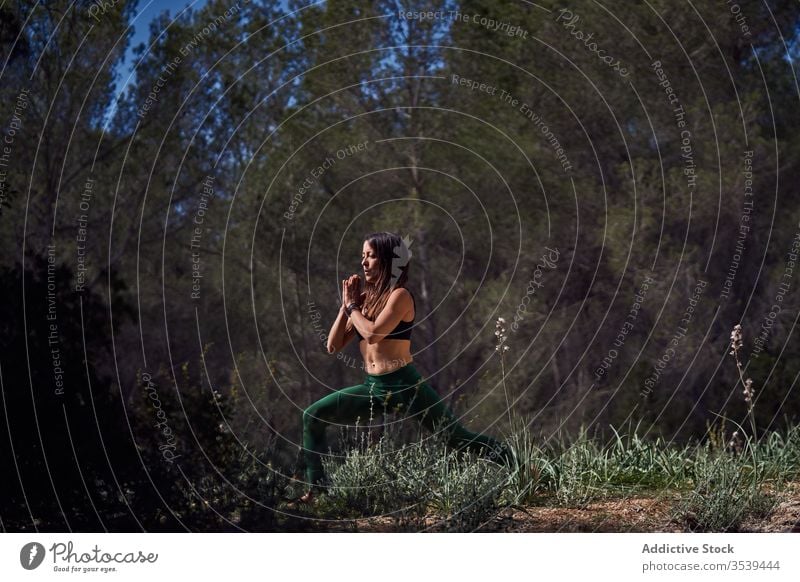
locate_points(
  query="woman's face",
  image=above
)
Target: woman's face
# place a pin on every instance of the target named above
(369, 261)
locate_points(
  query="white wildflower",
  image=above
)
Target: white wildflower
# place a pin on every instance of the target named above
(736, 339)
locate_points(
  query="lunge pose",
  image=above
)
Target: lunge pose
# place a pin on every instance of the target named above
(381, 316)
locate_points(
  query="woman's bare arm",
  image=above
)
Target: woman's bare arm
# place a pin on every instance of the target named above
(338, 337)
(397, 307)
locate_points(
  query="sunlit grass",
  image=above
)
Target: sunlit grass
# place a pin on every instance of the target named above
(716, 487)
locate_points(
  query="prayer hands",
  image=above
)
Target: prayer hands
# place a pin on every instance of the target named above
(351, 290)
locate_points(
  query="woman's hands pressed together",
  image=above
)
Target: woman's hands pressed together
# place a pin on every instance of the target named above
(355, 289)
(351, 290)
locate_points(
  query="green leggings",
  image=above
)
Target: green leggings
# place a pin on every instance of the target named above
(403, 390)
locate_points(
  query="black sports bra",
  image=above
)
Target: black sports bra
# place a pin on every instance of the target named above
(403, 329)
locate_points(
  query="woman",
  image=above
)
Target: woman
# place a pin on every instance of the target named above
(382, 317)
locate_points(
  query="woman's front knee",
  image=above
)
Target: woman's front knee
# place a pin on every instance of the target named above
(311, 416)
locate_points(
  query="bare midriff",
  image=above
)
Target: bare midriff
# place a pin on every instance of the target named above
(386, 355)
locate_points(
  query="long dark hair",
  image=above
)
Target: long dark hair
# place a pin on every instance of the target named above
(394, 262)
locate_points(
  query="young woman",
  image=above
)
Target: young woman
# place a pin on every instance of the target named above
(382, 318)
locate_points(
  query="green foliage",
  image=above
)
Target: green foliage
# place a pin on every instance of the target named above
(579, 473)
(412, 482)
(532, 471)
(728, 489)
(422, 485)
(220, 481)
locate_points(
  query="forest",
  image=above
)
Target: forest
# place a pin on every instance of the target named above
(610, 191)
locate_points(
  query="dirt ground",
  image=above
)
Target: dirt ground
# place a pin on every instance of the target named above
(631, 514)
